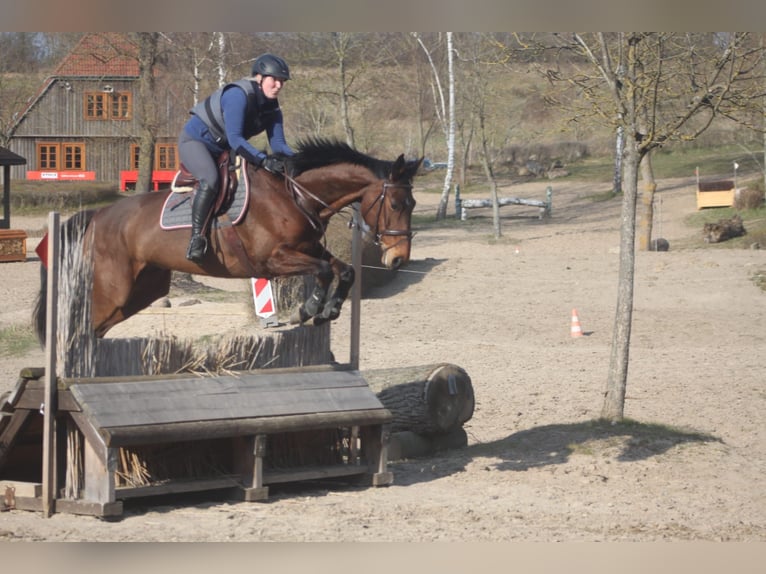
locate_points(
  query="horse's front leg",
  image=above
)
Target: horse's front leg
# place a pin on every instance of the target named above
(315, 303)
(345, 274)
(288, 261)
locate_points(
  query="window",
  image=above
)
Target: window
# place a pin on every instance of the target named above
(108, 106)
(165, 157)
(61, 156)
(47, 156)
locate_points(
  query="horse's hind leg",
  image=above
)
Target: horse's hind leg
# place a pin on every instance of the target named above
(151, 284)
(122, 296)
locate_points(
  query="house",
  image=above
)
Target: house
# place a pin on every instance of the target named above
(84, 122)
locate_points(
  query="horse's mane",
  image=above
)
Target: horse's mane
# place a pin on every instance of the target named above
(318, 152)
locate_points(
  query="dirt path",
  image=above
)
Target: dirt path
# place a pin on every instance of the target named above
(537, 468)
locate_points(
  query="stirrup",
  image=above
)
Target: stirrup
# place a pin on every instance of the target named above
(197, 248)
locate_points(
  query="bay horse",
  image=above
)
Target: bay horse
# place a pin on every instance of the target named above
(280, 234)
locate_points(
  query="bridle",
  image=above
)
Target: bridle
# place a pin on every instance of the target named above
(377, 234)
(298, 192)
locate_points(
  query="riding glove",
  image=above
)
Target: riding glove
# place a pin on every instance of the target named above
(273, 164)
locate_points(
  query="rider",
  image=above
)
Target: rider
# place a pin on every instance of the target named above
(225, 121)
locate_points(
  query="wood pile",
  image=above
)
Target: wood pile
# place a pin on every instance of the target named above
(723, 229)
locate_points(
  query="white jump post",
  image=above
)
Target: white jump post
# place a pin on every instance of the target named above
(356, 289)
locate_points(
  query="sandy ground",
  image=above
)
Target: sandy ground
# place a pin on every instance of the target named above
(537, 467)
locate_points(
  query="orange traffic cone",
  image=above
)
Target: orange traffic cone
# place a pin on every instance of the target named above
(576, 330)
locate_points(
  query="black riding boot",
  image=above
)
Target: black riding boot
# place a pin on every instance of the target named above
(204, 198)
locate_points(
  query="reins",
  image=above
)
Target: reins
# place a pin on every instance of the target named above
(300, 192)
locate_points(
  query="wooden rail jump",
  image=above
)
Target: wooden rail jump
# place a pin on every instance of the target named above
(463, 205)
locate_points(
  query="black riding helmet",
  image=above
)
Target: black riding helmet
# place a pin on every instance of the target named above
(271, 65)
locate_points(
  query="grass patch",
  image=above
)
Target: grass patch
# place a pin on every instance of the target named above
(759, 278)
(17, 340)
(34, 198)
(678, 161)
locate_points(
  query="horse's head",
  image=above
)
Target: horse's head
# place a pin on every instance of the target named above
(386, 207)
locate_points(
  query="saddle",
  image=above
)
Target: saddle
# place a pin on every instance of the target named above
(228, 182)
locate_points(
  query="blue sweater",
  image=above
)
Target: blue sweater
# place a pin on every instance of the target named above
(240, 128)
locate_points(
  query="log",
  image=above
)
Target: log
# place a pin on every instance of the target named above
(425, 399)
(724, 229)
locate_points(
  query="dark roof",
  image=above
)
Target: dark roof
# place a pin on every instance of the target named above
(7, 157)
(101, 54)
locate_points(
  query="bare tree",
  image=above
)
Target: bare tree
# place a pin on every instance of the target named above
(480, 54)
(148, 46)
(659, 87)
(446, 113)
(341, 42)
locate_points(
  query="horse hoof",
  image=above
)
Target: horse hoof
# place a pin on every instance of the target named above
(299, 317)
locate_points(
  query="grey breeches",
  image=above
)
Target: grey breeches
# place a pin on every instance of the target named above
(197, 159)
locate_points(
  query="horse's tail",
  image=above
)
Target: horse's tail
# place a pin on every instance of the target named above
(70, 233)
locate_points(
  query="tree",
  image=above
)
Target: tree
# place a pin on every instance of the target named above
(480, 54)
(446, 114)
(658, 87)
(148, 46)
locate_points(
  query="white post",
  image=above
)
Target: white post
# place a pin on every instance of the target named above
(356, 289)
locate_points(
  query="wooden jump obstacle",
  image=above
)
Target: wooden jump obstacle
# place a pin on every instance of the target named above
(715, 193)
(66, 444)
(238, 432)
(463, 205)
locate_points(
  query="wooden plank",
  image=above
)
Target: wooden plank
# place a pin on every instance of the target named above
(20, 488)
(171, 402)
(312, 473)
(89, 508)
(250, 375)
(99, 474)
(32, 398)
(715, 198)
(264, 381)
(196, 430)
(14, 396)
(178, 486)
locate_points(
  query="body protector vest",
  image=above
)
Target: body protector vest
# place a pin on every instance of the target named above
(259, 111)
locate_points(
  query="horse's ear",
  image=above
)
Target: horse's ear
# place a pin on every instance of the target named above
(397, 170)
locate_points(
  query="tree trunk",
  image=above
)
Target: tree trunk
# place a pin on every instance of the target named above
(646, 225)
(618, 147)
(441, 212)
(617, 377)
(492, 184)
(427, 399)
(146, 60)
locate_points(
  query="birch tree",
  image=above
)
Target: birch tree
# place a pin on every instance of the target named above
(446, 114)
